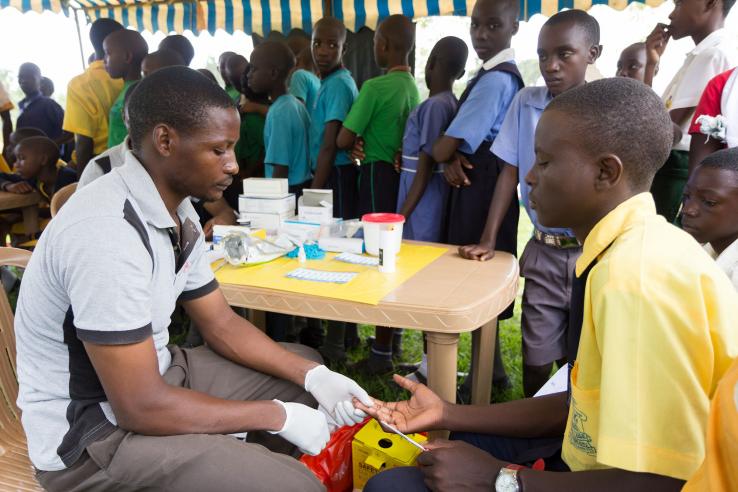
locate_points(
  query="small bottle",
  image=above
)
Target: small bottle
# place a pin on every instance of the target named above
(301, 256)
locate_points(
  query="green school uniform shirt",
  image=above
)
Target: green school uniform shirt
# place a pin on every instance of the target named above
(117, 131)
(380, 111)
(250, 146)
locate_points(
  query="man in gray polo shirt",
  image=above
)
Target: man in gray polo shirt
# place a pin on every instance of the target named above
(107, 405)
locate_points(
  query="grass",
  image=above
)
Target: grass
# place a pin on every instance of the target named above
(510, 346)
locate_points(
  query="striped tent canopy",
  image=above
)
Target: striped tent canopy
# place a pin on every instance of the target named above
(263, 16)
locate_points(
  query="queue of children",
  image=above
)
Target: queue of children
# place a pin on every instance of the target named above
(641, 314)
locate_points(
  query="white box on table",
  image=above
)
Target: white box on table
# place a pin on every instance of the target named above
(266, 187)
(267, 205)
(269, 221)
(316, 206)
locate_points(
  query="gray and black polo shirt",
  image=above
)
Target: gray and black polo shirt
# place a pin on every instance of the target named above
(105, 271)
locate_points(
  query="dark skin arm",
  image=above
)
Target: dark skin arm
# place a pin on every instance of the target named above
(445, 150)
(7, 130)
(699, 148)
(346, 139)
(144, 403)
(327, 154)
(426, 164)
(222, 214)
(280, 171)
(456, 465)
(504, 191)
(84, 146)
(655, 45)
(64, 138)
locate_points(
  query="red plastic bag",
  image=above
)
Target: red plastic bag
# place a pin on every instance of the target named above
(333, 465)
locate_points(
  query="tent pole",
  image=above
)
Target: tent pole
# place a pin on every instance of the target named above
(79, 39)
(328, 8)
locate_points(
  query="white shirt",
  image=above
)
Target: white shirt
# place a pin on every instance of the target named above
(713, 55)
(727, 261)
(506, 55)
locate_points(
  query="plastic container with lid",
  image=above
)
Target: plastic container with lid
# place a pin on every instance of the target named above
(373, 223)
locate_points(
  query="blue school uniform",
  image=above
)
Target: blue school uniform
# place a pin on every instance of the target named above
(286, 139)
(424, 125)
(515, 143)
(334, 99)
(304, 85)
(39, 111)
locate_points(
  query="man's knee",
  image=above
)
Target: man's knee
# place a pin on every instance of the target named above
(403, 479)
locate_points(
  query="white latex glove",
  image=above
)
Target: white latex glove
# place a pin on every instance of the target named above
(334, 392)
(304, 427)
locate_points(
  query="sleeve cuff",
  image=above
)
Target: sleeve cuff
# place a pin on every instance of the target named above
(190, 295)
(115, 337)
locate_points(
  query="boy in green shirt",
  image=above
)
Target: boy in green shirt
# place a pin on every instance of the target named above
(378, 116)
(124, 51)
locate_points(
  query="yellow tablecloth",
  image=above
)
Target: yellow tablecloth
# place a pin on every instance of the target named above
(368, 287)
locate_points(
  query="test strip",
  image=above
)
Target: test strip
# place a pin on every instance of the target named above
(396, 431)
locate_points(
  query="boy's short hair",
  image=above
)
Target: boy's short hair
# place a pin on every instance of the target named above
(181, 45)
(723, 159)
(727, 5)
(281, 57)
(176, 96)
(165, 58)
(27, 132)
(47, 86)
(452, 54)
(30, 66)
(100, 29)
(399, 31)
(329, 21)
(44, 145)
(624, 117)
(207, 73)
(582, 20)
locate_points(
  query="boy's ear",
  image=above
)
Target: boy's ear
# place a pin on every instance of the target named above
(610, 172)
(595, 51)
(711, 4)
(163, 137)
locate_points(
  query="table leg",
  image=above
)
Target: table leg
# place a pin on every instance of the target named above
(30, 220)
(442, 360)
(258, 319)
(483, 353)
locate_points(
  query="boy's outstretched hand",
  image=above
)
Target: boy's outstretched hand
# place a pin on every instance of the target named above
(457, 465)
(20, 188)
(454, 171)
(479, 252)
(424, 410)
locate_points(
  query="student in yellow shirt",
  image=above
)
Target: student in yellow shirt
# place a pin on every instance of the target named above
(7, 124)
(90, 96)
(655, 314)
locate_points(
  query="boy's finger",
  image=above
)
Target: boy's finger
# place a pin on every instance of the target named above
(406, 383)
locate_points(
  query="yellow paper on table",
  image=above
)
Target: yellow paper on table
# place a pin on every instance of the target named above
(368, 287)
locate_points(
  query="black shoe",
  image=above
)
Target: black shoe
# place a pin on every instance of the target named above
(373, 366)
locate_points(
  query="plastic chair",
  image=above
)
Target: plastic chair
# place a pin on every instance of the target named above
(16, 471)
(61, 197)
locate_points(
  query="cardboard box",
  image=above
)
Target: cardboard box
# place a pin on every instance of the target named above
(316, 206)
(267, 205)
(266, 187)
(375, 450)
(265, 221)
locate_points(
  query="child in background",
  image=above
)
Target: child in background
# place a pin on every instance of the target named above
(180, 44)
(632, 62)
(89, 99)
(709, 209)
(287, 122)
(160, 59)
(36, 169)
(567, 44)
(222, 61)
(468, 139)
(423, 191)
(333, 168)
(378, 116)
(124, 51)
(720, 98)
(47, 86)
(37, 110)
(303, 83)
(715, 51)
(16, 137)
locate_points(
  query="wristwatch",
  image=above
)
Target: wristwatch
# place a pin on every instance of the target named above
(507, 479)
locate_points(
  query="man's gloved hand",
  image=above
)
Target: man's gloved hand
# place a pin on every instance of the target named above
(304, 427)
(335, 393)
